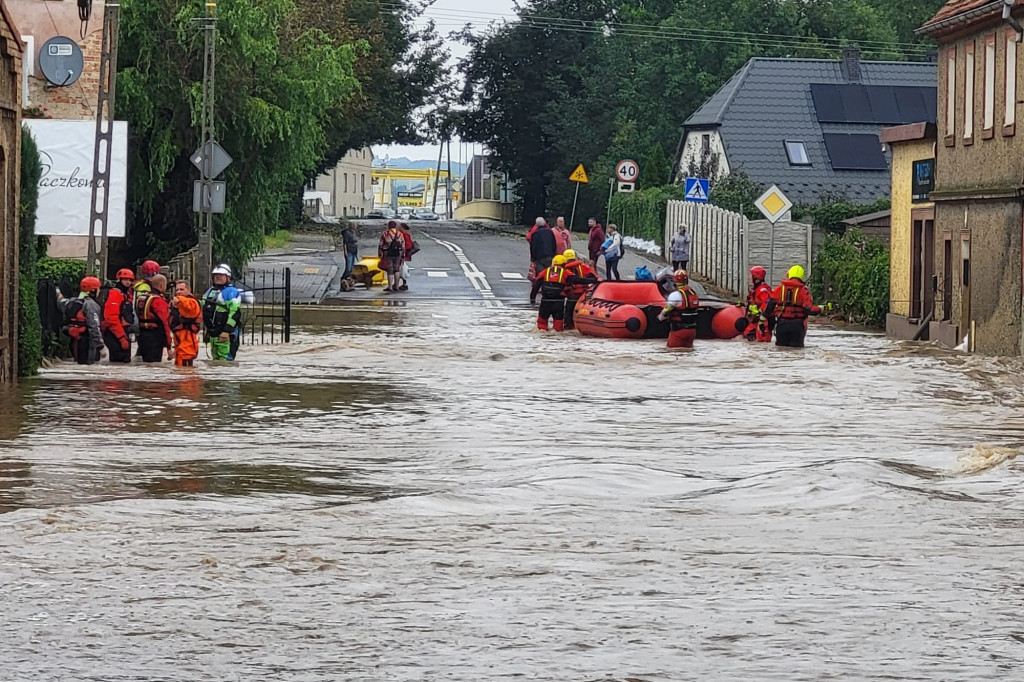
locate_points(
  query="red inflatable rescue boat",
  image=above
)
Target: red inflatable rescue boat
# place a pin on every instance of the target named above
(629, 310)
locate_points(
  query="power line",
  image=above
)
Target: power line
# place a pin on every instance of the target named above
(656, 31)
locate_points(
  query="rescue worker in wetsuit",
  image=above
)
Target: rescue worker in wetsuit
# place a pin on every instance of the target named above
(791, 304)
(581, 275)
(82, 317)
(757, 326)
(551, 283)
(222, 316)
(119, 318)
(154, 315)
(681, 311)
(186, 321)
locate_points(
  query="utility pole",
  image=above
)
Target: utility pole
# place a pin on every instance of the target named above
(99, 212)
(207, 175)
(448, 182)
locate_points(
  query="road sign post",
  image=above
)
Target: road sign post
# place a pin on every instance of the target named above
(579, 176)
(774, 205)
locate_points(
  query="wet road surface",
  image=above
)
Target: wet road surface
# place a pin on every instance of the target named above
(436, 491)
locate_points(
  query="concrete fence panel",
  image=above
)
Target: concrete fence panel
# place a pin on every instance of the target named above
(718, 245)
(792, 247)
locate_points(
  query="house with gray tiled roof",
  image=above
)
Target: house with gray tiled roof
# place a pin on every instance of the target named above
(809, 126)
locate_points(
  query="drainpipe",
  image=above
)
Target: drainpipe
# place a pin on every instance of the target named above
(1008, 18)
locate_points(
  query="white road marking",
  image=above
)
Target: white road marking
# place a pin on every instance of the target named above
(512, 275)
(475, 276)
(436, 273)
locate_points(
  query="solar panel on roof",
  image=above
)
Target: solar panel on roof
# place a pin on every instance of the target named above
(827, 105)
(855, 152)
(855, 103)
(911, 103)
(883, 104)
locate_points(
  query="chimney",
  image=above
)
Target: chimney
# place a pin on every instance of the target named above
(851, 64)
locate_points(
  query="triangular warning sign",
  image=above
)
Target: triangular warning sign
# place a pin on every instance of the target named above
(696, 193)
(579, 175)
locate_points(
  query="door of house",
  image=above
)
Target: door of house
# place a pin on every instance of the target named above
(965, 287)
(922, 262)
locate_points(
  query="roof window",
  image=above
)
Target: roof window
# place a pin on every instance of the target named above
(797, 153)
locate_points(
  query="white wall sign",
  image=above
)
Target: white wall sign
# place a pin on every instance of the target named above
(66, 150)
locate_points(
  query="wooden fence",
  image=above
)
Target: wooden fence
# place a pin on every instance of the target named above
(725, 245)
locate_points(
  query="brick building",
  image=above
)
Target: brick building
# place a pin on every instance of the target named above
(10, 170)
(38, 21)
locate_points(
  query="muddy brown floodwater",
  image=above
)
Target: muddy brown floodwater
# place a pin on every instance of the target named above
(441, 493)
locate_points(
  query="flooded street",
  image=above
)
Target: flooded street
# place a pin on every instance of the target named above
(439, 492)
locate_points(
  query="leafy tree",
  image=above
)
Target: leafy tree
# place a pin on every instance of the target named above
(656, 168)
(737, 192)
(289, 103)
(30, 342)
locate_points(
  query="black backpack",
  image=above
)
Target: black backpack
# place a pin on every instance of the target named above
(71, 311)
(394, 249)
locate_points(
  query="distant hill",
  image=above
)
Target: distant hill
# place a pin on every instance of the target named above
(458, 169)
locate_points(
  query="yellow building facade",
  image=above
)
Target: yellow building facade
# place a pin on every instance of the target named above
(912, 285)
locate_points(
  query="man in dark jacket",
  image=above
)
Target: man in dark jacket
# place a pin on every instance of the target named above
(543, 246)
(594, 241)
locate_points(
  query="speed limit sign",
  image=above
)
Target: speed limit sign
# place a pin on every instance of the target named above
(627, 171)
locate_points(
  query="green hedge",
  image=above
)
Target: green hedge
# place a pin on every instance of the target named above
(56, 269)
(30, 331)
(852, 273)
(642, 214)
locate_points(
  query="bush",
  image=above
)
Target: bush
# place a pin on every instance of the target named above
(852, 273)
(68, 271)
(30, 331)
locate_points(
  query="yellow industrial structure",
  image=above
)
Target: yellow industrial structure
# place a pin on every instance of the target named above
(385, 194)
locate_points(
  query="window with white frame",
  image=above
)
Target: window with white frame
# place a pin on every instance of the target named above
(1010, 82)
(797, 153)
(951, 91)
(989, 86)
(969, 92)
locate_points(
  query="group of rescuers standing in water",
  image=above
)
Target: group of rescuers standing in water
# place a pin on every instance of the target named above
(159, 321)
(781, 312)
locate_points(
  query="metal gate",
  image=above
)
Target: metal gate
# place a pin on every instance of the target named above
(268, 311)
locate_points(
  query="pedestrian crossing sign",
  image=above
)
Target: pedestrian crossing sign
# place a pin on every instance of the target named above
(579, 175)
(697, 190)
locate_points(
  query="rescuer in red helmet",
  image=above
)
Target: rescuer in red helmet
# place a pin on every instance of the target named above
(82, 321)
(681, 312)
(757, 325)
(119, 321)
(149, 268)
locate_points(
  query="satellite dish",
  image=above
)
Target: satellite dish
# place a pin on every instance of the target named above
(61, 61)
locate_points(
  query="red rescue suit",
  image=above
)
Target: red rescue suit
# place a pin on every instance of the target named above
(791, 303)
(551, 283)
(681, 313)
(114, 325)
(758, 327)
(581, 277)
(154, 315)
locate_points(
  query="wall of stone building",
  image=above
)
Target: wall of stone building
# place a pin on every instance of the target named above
(903, 156)
(995, 271)
(991, 160)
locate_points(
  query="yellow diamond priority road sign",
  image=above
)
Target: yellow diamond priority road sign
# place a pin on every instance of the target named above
(773, 204)
(579, 175)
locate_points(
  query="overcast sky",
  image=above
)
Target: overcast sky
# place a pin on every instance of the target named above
(452, 15)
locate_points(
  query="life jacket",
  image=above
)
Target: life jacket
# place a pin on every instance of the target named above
(183, 323)
(215, 312)
(759, 296)
(579, 269)
(144, 310)
(126, 310)
(685, 316)
(793, 300)
(554, 281)
(74, 318)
